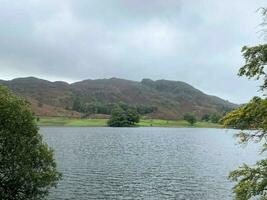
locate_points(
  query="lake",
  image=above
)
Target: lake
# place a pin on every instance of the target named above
(145, 163)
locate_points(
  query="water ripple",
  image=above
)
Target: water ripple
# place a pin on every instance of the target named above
(145, 163)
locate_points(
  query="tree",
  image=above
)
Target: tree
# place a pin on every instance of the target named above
(121, 118)
(27, 167)
(118, 118)
(133, 116)
(190, 118)
(252, 180)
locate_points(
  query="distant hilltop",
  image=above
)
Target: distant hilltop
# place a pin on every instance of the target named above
(167, 99)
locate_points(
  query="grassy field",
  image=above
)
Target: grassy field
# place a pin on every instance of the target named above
(176, 123)
(59, 121)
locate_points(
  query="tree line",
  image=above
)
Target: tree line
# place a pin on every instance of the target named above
(102, 108)
(192, 119)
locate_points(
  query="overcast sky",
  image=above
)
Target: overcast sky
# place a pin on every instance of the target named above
(196, 41)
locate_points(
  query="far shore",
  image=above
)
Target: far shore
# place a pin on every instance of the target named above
(74, 122)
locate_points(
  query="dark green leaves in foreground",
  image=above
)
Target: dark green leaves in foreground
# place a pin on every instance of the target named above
(27, 167)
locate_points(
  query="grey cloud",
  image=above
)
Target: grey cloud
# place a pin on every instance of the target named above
(194, 41)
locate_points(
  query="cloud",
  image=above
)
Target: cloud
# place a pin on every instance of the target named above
(197, 42)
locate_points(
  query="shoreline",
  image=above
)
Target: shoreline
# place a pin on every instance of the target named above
(74, 122)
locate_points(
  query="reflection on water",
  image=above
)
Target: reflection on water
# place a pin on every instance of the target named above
(145, 163)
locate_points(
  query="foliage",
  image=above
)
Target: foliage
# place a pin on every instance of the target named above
(97, 108)
(121, 118)
(27, 167)
(252, 181)
(205, 117)
(133, 116)
(215, 118)
(256, 59)
(144, 109)
(101, 108)
(249, 116)
(77, 105)
(118, 118)
(190, 118)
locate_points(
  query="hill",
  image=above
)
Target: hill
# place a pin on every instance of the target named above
(167, 99)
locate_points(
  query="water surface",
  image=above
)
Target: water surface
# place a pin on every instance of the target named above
(145, 163)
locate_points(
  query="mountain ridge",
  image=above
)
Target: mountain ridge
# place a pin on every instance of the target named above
(172, 98)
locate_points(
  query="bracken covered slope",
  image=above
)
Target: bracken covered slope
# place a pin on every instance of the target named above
(172, 98)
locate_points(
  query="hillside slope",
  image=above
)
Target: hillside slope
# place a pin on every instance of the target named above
(171, 98)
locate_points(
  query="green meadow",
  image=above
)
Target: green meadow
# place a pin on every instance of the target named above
(60, 121)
